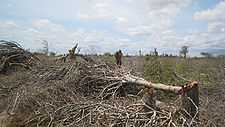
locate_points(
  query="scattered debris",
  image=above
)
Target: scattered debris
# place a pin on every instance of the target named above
(72, 55)
(92, 94)
(87, 94)
(12, 54)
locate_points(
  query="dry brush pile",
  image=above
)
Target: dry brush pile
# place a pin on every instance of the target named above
(12, 54)
(90, 94)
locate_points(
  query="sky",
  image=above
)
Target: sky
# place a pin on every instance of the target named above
(101, 26)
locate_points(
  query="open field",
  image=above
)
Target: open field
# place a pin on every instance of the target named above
(54, 93)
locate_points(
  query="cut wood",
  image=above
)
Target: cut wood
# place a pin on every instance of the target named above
(190, 101)
(159, 86)
(189, 92)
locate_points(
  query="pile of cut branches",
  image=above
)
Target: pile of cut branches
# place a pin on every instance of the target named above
(12, 54)
(57, 104)
(86, 94)
(91, 79)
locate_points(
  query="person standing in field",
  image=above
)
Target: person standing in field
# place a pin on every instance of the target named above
(118, 56)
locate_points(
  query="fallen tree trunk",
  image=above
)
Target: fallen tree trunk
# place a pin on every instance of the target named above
(159, 86)
(189, 92)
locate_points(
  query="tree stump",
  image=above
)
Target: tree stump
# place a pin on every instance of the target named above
(72, 53)
(190, 101)
(149, 99)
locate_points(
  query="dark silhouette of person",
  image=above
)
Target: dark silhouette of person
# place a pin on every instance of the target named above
(118, 56)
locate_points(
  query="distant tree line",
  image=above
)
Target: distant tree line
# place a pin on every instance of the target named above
(182, 53)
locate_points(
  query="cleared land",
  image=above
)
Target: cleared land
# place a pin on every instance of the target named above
(90, 93)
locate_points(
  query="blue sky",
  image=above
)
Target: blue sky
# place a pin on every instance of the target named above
(108, 25)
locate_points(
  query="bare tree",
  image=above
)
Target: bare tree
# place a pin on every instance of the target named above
(184, 51)
(45, 47)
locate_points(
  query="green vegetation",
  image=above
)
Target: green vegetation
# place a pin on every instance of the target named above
(109, 58)
(161, 69)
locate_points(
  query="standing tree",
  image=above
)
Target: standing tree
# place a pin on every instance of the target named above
(52, 54)
(184, 51)
(45, 47)
(206, 54)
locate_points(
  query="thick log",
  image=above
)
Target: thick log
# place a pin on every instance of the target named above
(159, 86)
(189, 92)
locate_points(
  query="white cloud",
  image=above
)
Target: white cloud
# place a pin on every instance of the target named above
(145, 22)
(121, 20)
(134, 25)
(8, 24)
(46, 24)
(59, 37)
(214, 37)
(101, 5)
(216, 27)
(41, 23)
(215, 17)
(150, 19)
(212, 15)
